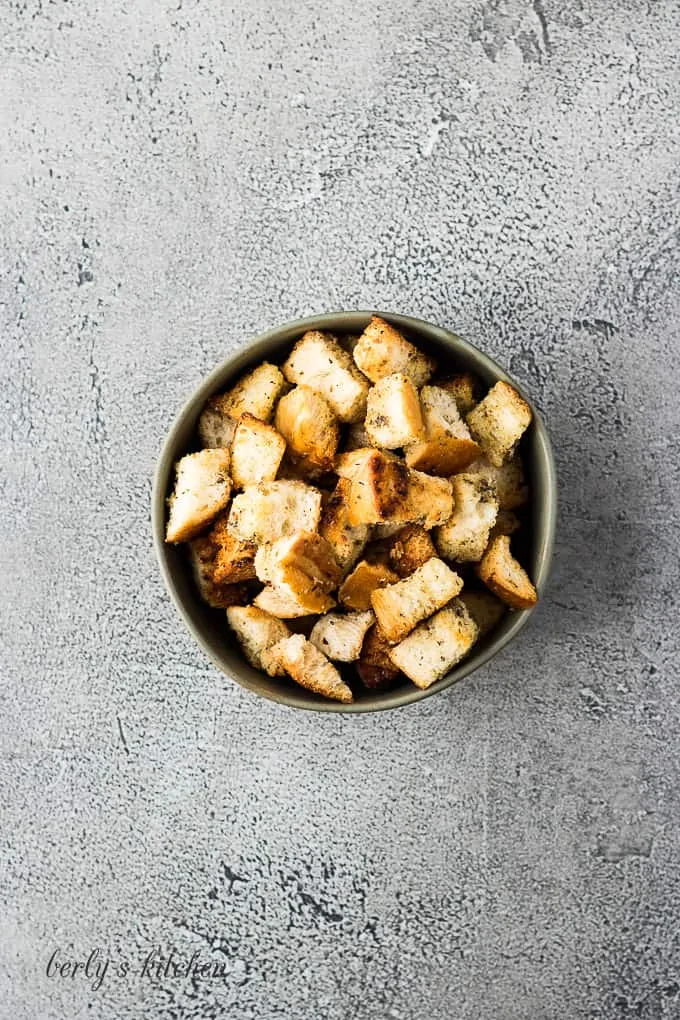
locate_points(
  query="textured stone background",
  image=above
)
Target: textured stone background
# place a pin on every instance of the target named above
(176, 177)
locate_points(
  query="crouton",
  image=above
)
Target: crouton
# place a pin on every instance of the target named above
(484, 608)
(354, 462)
(288, 603)
(393, 415)
(507, 480)
(436, 645)
(215, 427)
(375, 667)
(379, 485)
(319, 362)
(499, 421)
(309, 668)
(309, 426)
(382, 350)
(464, 389)
(409, 549)
(501, 572)
(218, 594)
(357, 437)
(346, 540)
(271, 510)
(255, 393)
(341, 635)
(356, 590)
(202, 489)
(428, 500)
(448, 446)
(256, 452)
(299, 560)
(465, 535)
(507, 523)
(256, 631)
(229, 559)
(380, 532)
(399, 607)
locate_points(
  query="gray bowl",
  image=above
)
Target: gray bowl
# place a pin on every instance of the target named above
(209, 627)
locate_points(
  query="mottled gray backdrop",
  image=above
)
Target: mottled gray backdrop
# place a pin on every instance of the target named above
(176, 177)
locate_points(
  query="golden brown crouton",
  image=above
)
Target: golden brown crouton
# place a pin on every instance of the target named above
(375, 667)
(436, 645)
(255, 393)
(202, 489)
(499, 421)
(484, 608)
(318, 361)
(356, 590)
(288, 603)
(409, 549)
(346, 540)
(448, 446)
(309, 668)
(465, 535)
(256, 631)
(341, 635)
(271, 510)
(382, 350)
(379, 487)
(399, 607)
(215, 427)
(501, 572)
(218, 594)
(507, 480)
(229, 559)
(463, 388)
(309, 426)
(428, 500)
(304, 556)
(393, 415)
(256, 452)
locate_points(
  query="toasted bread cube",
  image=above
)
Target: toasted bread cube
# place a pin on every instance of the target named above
(436, 645)
(357, 437)
(465, 535)
(341, 635)
(355, 462)
(356, 590)
(379, 486)
(428, 500)
(375, 667)
(294, 559)
(215, 427)
(256, 452)
(268, 511)
(448, 446)
(288, 603)
(399, 607)
(255, 393)
(388, 529)
(507, 523)
(382, 350)
(463, 388)
(499, 421)
(500, 571)
(508, 481)
(218, 594)
(319, 362)
(309, 668)
(393, 415)
(346, 540)
(256, 631)
(309, 426)
(202, 489)
(409, 549)
(229, 559)
(484, 608)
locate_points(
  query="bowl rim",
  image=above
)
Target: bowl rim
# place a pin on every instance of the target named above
(346, 321)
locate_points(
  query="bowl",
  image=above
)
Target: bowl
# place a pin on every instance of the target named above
(208, 626)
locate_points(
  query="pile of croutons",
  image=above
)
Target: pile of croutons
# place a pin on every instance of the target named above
(345, 507)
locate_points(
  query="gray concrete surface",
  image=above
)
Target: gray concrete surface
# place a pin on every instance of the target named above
(176, 177)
